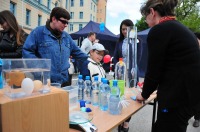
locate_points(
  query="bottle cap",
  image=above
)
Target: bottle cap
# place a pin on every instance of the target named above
(88, 110)
(95, 78)
(80, 77)
(102, 79)
(83, 109)
(82, 103)
(133, 98)
(87, 78)
(114, 82)
(105, 81)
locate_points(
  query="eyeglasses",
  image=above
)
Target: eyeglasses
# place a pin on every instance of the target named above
(63, 21)
(145, 17)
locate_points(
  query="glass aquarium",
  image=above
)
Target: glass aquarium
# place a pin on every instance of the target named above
(24, 77)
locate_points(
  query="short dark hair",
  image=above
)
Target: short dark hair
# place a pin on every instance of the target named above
(163, 7)
(91, 33)
(59, 12)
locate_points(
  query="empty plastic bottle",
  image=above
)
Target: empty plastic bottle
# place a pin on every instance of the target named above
(80, 88)
(104, 95)
(95, 91)
(88, 90)
(120, 69)
(114, 100)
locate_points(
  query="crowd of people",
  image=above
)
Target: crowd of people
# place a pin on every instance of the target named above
(173, 58)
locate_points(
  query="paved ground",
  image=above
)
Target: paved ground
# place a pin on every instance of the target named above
(141, 121)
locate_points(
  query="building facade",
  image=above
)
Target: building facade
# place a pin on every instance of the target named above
(101, 11)
(81, 12)
(33, 13)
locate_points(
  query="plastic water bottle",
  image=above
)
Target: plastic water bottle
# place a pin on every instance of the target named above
(80, 88)
(104, 95)
(101, 81)
(95, 91)
(114, 99)
(88, 90)
(120, 69)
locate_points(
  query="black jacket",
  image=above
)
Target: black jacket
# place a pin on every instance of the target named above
(9, 47)
(173, 66)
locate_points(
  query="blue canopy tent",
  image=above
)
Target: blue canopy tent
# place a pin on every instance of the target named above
(95, 27)
(106, 37)
(142, 35)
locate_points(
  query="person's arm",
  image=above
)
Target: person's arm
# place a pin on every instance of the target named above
(84, 69)
(84, 46)
(29, 47)
(15, 54)
(17, 49)
(157, 45)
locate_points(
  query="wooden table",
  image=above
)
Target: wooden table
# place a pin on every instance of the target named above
(106, 122)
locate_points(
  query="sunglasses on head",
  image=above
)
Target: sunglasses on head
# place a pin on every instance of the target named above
(63, 21)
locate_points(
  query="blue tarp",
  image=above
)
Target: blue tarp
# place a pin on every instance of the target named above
(95, 27)
(142, 35)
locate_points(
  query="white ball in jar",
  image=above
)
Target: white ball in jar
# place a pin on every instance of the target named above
(27, 86)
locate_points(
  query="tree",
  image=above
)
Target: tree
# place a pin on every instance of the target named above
(141, 24)
(187, 12)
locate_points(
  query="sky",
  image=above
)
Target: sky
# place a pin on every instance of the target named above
(118, 10)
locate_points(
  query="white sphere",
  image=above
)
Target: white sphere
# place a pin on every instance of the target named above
(27, 86)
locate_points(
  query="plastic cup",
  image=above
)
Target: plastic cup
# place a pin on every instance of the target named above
(121, 85)
(73, 96)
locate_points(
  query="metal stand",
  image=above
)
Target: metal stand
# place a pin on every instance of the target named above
(131, 43)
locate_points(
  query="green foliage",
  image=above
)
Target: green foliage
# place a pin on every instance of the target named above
(187, 12)
(141, 24)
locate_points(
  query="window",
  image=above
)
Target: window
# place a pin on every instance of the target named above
(91, 6)
(71, 27)
(91, 17)
(56, 4)
(28, 16)
(72, 3)
(81, 3)
(81, 15)
(13, 8)
(39, 1)
(80, 26)
(39, 20)
(71, 15)
(48, 4)
(66, 4)
(94, 8)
